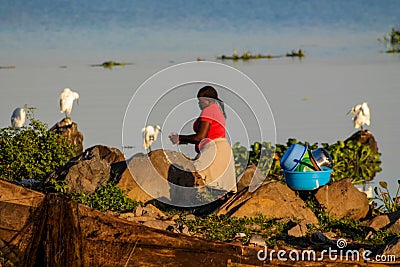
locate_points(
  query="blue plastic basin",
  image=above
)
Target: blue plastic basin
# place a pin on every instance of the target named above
(307, 180)
(292, 157)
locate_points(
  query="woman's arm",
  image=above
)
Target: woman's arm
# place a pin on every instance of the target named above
(204, 127)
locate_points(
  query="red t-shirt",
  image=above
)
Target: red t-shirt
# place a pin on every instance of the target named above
(215, 117)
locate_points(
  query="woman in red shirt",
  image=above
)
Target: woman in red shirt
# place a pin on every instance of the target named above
(214, 161)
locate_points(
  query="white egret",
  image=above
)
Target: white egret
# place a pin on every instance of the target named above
(150, 134)
(18, 117)
(67, 98)
(361, 115)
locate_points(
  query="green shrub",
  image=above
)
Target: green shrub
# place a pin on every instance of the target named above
(223, 228)
(353, 160)
(241, 157)
(32, 152)
(107, 197)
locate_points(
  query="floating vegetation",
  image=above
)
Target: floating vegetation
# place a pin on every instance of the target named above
(110, 64)
(248, 55)
(7, 67)
(392, 42)
(299, 54)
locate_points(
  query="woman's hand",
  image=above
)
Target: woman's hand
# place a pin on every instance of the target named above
(202, 132)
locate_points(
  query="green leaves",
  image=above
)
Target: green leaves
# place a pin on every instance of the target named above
(32, 152)
(107, 197)
(240, 155)
(354, 160)
(223, 228)
(261, 154)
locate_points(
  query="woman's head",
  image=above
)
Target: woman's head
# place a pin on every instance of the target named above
(208, 95)
(208, 91)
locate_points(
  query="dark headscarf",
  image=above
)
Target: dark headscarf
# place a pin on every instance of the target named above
(210, 92)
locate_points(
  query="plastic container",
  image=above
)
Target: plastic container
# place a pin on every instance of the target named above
(307, 180)
(292, 157)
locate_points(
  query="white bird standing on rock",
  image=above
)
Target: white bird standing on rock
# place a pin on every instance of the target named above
(361, 115)
(67, 98)
(18, 117)
(150, 134)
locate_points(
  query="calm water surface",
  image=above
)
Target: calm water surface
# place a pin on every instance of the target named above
(344, 63)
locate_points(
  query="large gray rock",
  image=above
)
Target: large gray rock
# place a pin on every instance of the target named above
(343, 199)
(273, 200)
(389, 220)
(66, 127)
(366, 138)
(147, 175)
(379, 222)
(245, 178)
(88, 171)
(132, 190)
(395, 227)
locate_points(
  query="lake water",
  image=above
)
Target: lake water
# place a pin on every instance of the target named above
(309, 98)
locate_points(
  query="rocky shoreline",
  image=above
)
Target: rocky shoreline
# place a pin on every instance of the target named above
(30, 219)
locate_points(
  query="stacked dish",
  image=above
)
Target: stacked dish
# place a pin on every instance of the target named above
(306, 169)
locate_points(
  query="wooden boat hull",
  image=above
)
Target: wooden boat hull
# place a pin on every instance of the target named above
(53, 230)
